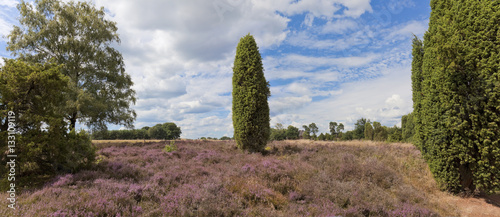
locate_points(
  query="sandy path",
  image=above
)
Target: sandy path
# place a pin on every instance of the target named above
(484, 206)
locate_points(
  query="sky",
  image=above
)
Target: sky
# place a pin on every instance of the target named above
(326, 60)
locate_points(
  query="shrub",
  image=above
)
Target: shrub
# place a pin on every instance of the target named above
(250, 94)
(171, 147)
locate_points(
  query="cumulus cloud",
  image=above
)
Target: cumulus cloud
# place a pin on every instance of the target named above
(329, 64)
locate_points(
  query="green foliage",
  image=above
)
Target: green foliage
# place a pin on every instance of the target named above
(408, 127)
(333, 127)
(321, 137)
(314, 129)
(379, 132)
(166, 131)
(328, 137)
(279, 133)
(457, 95)
(368, 131)
(292, 132)
(417, 80)
(394, 134)
(349, 135)
(170, 147)
(224, 138)
(173, 132)
(78, 36)
(359, 128)
(335, 130)
(250, 94)
(157, 132)
(36, 94)
(307, 132)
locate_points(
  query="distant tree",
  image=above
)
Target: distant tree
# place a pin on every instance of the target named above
(368, 131)
(307, 132)
(359, 128)
(340, 128)
(277, 135)
(78, 36)
(321, 137)
(171, 130)
(225, 138)
(379, 132)
(292, 132)
(394, 134)
(314, 129)
(407, 127)
(279, 126)
(157, 132)
(328, 137)
(142, 134)
(338, 136)
(250, 94)
(349, 135)
(333, 128)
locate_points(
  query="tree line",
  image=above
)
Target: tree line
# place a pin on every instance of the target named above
(165, 131)
(363, 130)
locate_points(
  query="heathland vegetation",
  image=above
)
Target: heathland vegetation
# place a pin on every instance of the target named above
(214, 178)
(69, 73)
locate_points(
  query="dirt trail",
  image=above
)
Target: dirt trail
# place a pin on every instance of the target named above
(483, 206)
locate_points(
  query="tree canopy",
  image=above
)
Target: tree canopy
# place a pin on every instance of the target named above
(36, 94)
(78, 36)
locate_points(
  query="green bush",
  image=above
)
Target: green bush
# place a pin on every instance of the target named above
(170, 147)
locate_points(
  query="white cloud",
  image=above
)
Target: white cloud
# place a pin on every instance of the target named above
(9, 3)
(7, 20)
(279, 105)
(339, 26)
(329, 8)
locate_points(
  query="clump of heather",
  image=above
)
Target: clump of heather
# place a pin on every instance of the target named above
(213, 178)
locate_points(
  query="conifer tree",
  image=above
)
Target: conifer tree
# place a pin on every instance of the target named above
(250, 94)
(416, 78)
(457, 107)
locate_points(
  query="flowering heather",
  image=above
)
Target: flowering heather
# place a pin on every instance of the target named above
(214, 178)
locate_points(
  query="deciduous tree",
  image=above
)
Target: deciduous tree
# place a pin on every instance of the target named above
(78, 36)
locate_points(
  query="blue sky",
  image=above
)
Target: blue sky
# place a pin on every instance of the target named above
(326, 60)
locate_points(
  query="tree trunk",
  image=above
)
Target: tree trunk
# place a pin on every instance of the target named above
(73, 121)
(466, 179)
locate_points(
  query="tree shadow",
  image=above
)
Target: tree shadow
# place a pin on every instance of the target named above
(493, 199)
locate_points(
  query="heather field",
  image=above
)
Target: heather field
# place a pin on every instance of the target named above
(213, 178)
